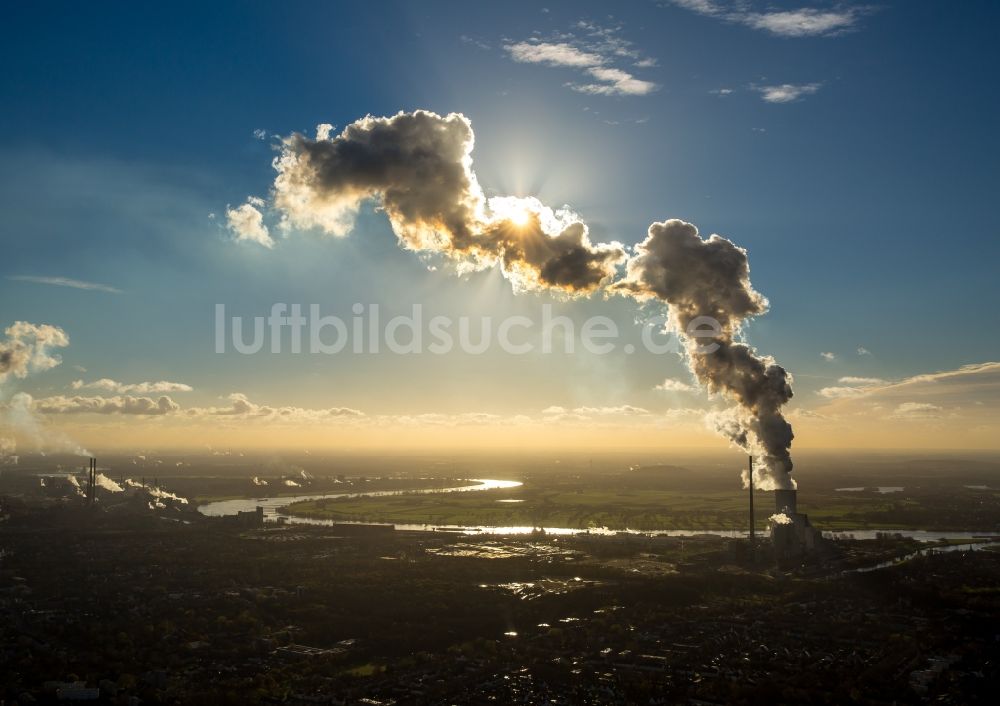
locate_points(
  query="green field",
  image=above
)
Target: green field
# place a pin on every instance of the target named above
(647, 509)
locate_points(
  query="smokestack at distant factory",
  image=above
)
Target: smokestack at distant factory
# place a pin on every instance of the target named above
(753, 533)
(91, 479)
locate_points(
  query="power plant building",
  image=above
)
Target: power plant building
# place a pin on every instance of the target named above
(791, 534)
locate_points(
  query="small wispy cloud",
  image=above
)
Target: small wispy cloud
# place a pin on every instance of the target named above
(127, 405)
(601, 53)
(614, 82)
(839, 392)
(851, 386)
(828, 356)
(801, 22)
(557, 54)
(805, 22)
(851, 380)
(672, 385)
(110, 385)
(916, 410)
(786, 92)
(863, 351)
(473, 41)
(66, 282)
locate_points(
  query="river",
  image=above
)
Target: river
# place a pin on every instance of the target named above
(271, 506)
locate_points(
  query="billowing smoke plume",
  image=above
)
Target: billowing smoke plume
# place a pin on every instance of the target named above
(102, 481)
(706, 287)
(418, 168)
(20, 414)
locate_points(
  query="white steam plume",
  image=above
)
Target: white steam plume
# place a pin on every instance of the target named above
(20, 414)
(418, 168)
(102, 481)
(701, 280)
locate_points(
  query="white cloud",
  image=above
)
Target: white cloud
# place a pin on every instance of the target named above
(127, 404)
(786, 92)
(863, 382)
(595, 51)
(916, 410)
(241, 406)
(671, 385)
(851, 386)
(67, 282)
(863, 351)
(614, 82)
(802, 22)
(139, 387)
(552, 54)
(805, 22)
(246, 222)
(972, 390)
(625, 409)
(828, 356)
(840, 392)
(28, 348)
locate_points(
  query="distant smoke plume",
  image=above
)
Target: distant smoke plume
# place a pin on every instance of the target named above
(418, 168)
(710, 279)
(20, 414)
(102, 481)
(28, 348)
(75, 485)
(8, 451)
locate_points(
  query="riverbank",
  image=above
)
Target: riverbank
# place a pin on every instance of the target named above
(539, 504)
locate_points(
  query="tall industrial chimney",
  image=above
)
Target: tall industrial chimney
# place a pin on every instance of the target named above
(92, 480)
(752, 528)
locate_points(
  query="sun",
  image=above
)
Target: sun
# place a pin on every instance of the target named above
(520, 217)
(515, 210)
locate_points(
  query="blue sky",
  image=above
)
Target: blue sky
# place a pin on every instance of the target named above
(863, 190)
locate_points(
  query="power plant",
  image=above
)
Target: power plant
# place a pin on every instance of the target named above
(791, 534)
